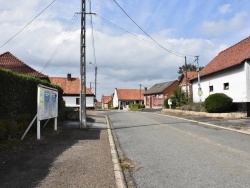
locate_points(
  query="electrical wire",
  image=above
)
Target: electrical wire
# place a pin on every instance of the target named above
(61, 41)
(174, 53)
(27, 24)
(92, 33)
(125, 31)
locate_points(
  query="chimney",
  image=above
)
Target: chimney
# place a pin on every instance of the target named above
(145, 88)
(69, 77)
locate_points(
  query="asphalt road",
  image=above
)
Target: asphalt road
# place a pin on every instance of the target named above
(171, 152)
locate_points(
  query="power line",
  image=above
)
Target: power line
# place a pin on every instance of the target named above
(125, 31)
(174, 53)
(28, 24)
(61, 41)
(92, 33)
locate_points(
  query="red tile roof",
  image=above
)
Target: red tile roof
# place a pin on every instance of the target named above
(190, 76)
(71, 87)
(9, 61)
(106, 99)
(232, 56)
(130, 94)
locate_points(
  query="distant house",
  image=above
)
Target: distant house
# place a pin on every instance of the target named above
(71, 91)
(98, 105)
(124, 97)
(228, 73)
(185, 84)
(10, 62)
(154, 97)
(106, 101)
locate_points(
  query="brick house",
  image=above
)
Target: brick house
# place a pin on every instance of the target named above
(154, 97)
(106, 101)
(185, 84)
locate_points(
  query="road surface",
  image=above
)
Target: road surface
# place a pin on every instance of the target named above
(172, 152)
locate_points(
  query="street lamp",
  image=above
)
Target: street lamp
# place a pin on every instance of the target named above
(95, 76)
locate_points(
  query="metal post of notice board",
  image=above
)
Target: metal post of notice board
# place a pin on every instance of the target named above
(47, 108)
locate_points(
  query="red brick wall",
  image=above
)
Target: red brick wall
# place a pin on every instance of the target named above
(170, 90)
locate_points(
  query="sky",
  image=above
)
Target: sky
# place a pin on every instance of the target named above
(145, 49)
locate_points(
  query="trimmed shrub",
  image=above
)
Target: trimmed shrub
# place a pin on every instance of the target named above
(218, 103)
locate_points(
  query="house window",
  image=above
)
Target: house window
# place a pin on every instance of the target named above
(77, 100)
(211, 88)
(226, 86)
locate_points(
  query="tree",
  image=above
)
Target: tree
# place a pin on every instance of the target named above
(190, 67)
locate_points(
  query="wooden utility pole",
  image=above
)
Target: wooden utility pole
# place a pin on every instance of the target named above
(83, 66)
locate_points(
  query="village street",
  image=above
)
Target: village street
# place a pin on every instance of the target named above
(172, 152)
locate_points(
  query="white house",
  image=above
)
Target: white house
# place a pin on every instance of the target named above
(228, 73)
(124, 97)
(71, 91)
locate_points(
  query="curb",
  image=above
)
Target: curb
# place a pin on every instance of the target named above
(208, 124)
(215, 115)
(119, 177)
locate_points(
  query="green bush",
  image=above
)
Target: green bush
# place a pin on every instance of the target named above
(217, 103)
(134, 106)
(142, 106)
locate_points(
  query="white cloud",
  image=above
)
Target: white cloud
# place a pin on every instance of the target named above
(122, 61)
(225, 8)
(236, 23)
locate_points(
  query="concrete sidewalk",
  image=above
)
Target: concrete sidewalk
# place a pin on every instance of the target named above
(88, 164)
(69, 157)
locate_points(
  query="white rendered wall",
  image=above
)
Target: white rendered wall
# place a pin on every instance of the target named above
(70, 101)
(235, 76)
(90, 101)
(247, 68)
(115, 100)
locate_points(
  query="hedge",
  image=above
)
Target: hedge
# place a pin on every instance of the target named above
(19, 93)
(18, 101)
